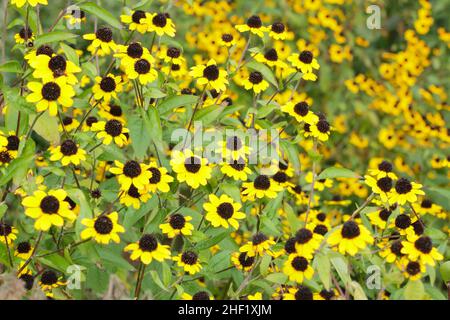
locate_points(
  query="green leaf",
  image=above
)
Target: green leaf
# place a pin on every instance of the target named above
(157, 279)
(445, 271)
(18, 168)
(324, 269)
(113, 254)
(153, 125)
(335, 172)
(56, 262)
(340, 265)
(208, 243)
(154, 93)
(171, 103)
(166, 274)
(3, 208)
(54, 36)
(11, 67)
(208, 114)
(101, 13)
(358, 291)
(85, 209)
(265, 110)
(139, 134)
(278, 278)
(292, 218)
(219, 261)
(439, 195)
(434, 293)
(272, 207)
(292, 153)
(70, 53)
(47, 127)
(264, 266)
(17, 101)
(414, 290)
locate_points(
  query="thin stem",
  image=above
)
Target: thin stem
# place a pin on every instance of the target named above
(417, 216)
(86, 115)
(95, 147)
(199, 103)
(355, 213)
(311, 192)
(61, 14)
(76, 244)
(244, 52)
(38, 241)
(9, 252)
(141, 272)
(75, 177)
(33, 124)
(4, 34)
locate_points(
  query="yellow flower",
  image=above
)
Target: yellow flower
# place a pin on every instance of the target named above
(223, 211)
(136, 20)
(142, 70)
(306, 63)
(103, 229)
(254, 25)
(25, 36)
(320, 129)
(238, 169)
(110, 131)
(160, 23)
(307, 242)
(297, 268)
(132, 172)
(350, 238)
(412, 270)
(256, 296)
(50, 68)
(102, 42)
(48, 208)
(421, 248)
(24, 250)
(259, 245)
(147, 249)
(256, 82)
(201, 295)
(133, 197)
(74, 16)
(190, 168)
(270, 58)
(242, 261)
(189, 261)
(405, 191)
(48, 95)
(261, 187)
(8, 233)
(384, 169)
(171, 55)
(227, 40)
(68, 152)
(50, 280)
(300, 111)
(33, 3)
(107, 88)
(210, 74)
(381, 186)
(278, 31)
(177, 224)
(160, 179)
